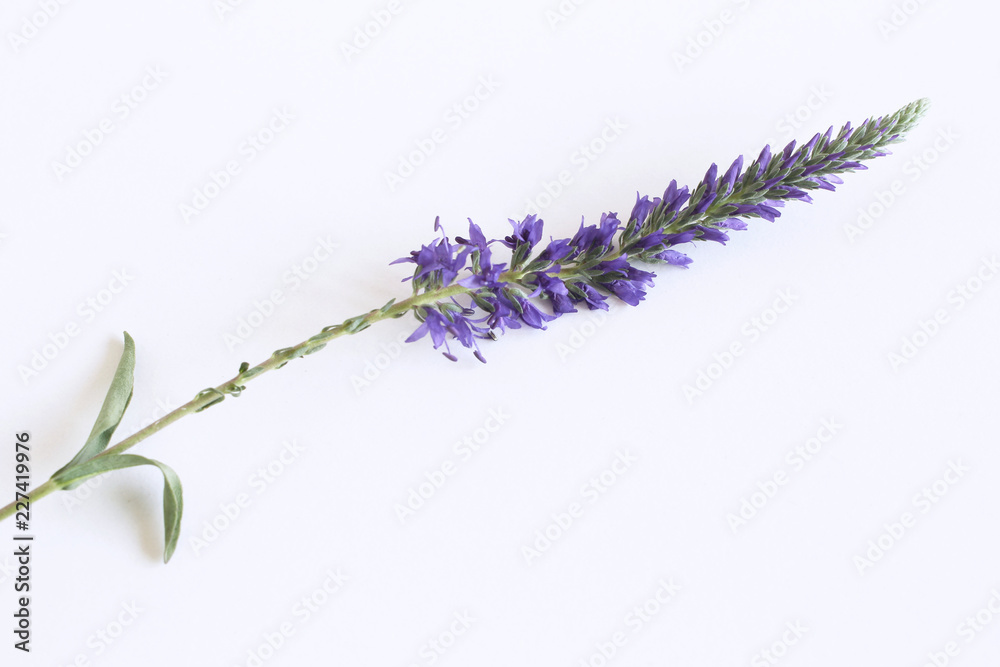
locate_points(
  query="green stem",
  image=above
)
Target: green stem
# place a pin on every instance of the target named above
(36, 493)
(235, 385)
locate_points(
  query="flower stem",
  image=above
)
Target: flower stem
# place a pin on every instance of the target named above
(235, 385)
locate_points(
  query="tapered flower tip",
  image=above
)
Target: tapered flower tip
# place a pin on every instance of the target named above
(911, 114)
(643, 207)
(711, 175)
(764, 159)
(527, 231)
(476, 237)
(670, 192)
(729, 179)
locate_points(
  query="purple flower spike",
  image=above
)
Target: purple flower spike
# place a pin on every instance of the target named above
(600, 260)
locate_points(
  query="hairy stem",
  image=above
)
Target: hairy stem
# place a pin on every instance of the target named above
(235, 385)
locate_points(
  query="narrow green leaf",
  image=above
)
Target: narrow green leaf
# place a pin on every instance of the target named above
(173, 499)
(115, 402)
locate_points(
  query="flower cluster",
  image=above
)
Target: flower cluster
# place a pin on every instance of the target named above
(599, 261)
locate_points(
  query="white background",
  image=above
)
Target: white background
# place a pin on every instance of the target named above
(573, 397)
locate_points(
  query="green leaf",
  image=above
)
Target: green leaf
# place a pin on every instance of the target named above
(173, 498)
(115, 403)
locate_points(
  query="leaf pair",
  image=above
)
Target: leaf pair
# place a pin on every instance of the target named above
(90, 461)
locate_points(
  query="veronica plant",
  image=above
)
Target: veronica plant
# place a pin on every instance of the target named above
(460, 294)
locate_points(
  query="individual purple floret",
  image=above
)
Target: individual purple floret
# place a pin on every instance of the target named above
(528, 231)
